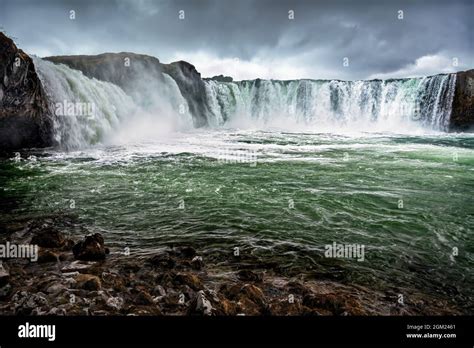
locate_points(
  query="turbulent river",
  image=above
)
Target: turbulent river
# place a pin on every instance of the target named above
(281, 196)
(280, 193)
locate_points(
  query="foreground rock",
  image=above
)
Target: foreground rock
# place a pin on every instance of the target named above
(91, 248)
(88, 282)
(169, 283)
(49, 237)
(127, 286)
(25, 117)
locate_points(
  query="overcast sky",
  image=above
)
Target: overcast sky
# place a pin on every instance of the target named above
(256, 38)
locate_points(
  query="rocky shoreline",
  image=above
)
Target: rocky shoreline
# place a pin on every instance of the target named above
(86, 278)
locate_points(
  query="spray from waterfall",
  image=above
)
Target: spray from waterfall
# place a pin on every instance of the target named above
(88, 111)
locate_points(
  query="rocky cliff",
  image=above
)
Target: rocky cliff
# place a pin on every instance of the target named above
(192, 88)
(462, 115)
(25, 118)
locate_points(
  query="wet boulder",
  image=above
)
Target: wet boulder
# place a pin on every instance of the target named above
(48, 238)
(91, 248)
(88, 282)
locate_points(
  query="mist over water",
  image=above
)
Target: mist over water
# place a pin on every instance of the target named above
(153, 110)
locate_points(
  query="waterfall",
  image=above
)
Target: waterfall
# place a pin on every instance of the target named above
(88, 111)
(374, 104)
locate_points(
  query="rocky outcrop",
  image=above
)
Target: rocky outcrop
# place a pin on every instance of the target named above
(25, 118)
(192, 88)
(462, 115)
(219, 78)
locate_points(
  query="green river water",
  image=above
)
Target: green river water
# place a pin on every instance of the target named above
(282, 196)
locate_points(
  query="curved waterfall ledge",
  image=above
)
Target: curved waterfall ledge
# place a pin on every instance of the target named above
(77, 101)
(392, 104)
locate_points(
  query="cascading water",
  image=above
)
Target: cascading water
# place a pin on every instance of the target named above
(375, 104)
(88, 111)
(105, 104)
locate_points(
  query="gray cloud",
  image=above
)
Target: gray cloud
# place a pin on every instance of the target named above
(259, 32)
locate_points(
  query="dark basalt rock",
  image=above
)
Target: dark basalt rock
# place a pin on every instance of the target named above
(253, 293)
(88, 282)
(49, 237)
(91, 248)
(192, 88)
(250, 298)
(185, 252)
(46, 256)
(142, 297)
(197, 263)
(462, 114)
(188, 279)
(219, 78)
(25, 118)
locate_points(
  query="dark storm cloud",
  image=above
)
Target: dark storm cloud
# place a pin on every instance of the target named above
(257, 32)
